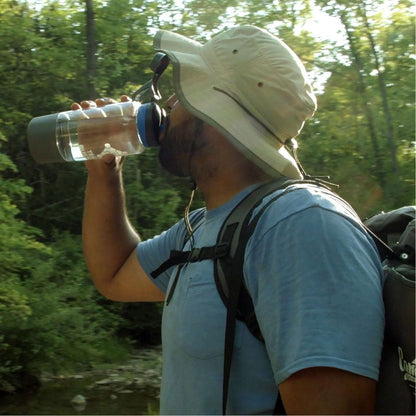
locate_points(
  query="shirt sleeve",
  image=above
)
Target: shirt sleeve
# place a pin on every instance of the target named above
(316, 282)
(153, 252)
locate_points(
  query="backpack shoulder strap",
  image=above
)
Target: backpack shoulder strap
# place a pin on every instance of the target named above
(235, 233)
(228, 271)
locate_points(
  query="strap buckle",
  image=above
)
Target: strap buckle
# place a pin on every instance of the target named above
(221, 250)
(194, 255)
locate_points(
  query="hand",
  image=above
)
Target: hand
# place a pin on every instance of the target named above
(99, 102)
(108, 161)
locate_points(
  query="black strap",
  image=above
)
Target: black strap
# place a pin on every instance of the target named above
(173, 287)
(176, 257)
(236, 231)
(279, 408)
(191, 256)
(229, 273)
(235, 283)
(237, 291)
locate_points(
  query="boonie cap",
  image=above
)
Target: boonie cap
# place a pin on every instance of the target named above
(249, 85)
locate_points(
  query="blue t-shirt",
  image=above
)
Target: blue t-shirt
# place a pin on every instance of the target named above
(316, 283)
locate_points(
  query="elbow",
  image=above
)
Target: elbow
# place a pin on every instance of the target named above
(105, 288)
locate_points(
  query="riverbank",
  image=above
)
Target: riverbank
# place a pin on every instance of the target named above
(128, 389)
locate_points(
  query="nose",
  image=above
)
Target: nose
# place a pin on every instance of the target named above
(170, 102)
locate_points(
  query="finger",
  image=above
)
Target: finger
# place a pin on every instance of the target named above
(96, 112)
(75, 106)
(101, 102)
(88, 104)
(101, 166)
(109, 159)
(125, 98)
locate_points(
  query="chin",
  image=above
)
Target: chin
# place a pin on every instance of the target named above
(170, 163)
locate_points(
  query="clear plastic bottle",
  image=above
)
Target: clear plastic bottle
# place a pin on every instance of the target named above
(119, 129)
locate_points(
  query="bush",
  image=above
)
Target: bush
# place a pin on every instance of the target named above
(50, 318)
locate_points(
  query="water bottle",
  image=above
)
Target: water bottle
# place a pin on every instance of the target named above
(120, 129)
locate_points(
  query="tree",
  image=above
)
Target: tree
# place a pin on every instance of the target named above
(382, 88)
(362, 91)
(91, 58)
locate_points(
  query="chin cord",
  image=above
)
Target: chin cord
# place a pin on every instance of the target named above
(292, 146)
(188, 226)
(192, 184)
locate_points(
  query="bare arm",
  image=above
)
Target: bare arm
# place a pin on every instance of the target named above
(329, 391)
(109, 240)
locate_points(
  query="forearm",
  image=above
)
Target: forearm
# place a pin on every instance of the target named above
(108, 237)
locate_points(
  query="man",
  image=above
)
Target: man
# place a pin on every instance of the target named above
(313, 273)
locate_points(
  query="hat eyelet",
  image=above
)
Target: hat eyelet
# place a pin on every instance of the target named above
(235, 51)
(260, 84)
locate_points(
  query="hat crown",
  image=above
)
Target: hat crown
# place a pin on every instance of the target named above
(264, 76)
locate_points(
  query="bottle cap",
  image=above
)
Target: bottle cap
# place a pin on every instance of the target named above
(149, 123)
(41, 135)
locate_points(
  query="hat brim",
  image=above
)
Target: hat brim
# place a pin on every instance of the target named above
(197, 89)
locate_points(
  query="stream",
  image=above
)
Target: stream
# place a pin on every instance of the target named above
(128, 389)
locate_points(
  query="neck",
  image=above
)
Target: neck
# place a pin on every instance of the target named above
(226, 180)
(218, 197)
(220, 170)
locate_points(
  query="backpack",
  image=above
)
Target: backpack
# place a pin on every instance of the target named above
(396, 387)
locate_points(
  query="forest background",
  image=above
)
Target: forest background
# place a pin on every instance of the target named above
(53, 53)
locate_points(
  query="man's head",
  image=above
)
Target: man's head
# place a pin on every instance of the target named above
(249, 85)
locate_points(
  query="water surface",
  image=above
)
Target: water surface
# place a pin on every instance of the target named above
(54, 398)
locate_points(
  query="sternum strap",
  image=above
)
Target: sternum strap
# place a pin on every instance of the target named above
(192, 256)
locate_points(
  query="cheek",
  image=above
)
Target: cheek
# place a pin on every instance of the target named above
(165, 130)
(180, 136)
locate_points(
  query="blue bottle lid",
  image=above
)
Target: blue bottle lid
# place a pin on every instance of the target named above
(149, 124)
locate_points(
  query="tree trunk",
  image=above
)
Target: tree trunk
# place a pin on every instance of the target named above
(383, 93)
(363, 92)
(91, 57)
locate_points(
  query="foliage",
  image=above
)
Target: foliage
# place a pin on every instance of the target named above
(49, 316)
(363, 133)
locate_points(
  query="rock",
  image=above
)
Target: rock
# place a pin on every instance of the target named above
(140, 383)
(103, 382)
(7, 388)
(79, 400)
(151, 373)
